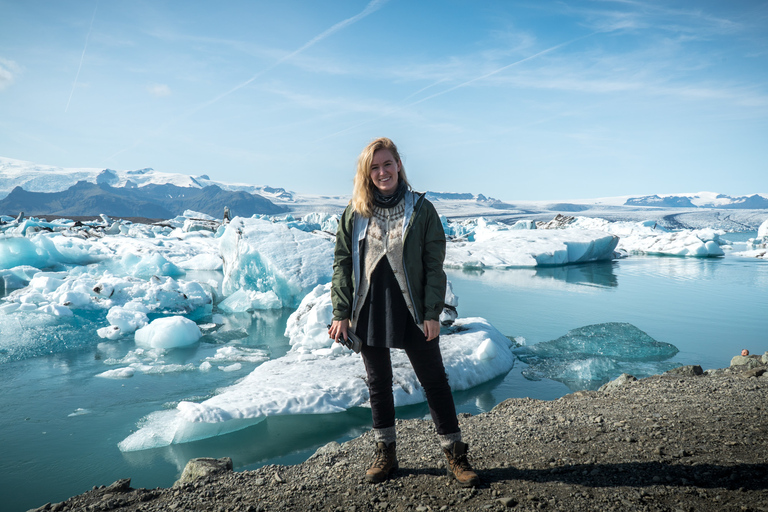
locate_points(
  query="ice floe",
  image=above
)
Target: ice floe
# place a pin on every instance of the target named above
(648, 237)
(504, 248)
(587, 357)
(319, 376)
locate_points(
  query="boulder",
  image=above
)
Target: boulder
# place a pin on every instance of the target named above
(203, 467)
(619, 382)
(748, 361)
(690, 370)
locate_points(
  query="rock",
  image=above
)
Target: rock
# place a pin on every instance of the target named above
(748, 361)
(122, 485)
(331, 448)
(686, 371)
(754, 372)
(619, 382)
(508, 502)
(203, 467)
(765, 358)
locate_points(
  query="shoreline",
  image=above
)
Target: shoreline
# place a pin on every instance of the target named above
(676, 441)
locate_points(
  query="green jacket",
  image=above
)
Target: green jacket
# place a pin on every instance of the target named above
(423, 255)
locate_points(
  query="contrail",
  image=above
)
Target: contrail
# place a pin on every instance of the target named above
(81, 57)
(463, 84)
(372, 7)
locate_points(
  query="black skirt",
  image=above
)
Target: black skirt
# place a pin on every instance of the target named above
(385, 320)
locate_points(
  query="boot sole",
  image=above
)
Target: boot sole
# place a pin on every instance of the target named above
(375, 479)
(470, 483)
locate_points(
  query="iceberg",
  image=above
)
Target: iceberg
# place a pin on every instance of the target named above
(504, 248)
(168, 332)
(262, 256)
(318, 376)
(648, 237)
(762, 231)
(587, 357)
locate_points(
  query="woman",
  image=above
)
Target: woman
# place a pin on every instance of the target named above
(388, 288)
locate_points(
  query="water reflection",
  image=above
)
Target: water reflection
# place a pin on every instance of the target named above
(568, 277)
(599, 273)
(277, 436)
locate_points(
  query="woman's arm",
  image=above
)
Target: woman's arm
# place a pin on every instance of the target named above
(433, 255)
(342, 283)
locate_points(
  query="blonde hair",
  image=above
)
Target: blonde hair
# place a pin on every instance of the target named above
(362, 192)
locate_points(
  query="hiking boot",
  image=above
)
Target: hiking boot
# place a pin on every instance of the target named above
(458, 465)
(384, 464)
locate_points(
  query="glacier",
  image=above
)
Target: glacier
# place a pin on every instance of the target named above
(589, 356)
(318, 376)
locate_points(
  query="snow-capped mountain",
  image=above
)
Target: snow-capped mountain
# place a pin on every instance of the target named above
(109, 184)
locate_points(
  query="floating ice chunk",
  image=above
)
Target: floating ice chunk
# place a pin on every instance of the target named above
(496, 248)
(322, 381)
(168, 332)
(9, 307)
(202, 262)
(263, 256)
(762, 231)
(524, 224)
(154, 264)
(127, 318)
(234, 367)
(16, 277)
(19, 250)
(250, 300)
(56, 310)
(590, 356)
(111, 333)
(118, 373)
(307, 326)
(450, 310)
(79, 412)
(235, 353)
(648, 237)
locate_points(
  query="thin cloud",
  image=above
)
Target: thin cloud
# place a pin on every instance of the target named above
(159, 90)
(82, 56)
(485, 76)
(8, 72)
(372, 7)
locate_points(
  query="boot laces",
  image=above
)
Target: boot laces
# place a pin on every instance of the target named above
(381, 458)
(460, 462)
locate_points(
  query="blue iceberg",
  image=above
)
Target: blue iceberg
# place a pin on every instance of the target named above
(590, 356)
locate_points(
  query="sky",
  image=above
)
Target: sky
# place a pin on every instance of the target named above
(516, 100)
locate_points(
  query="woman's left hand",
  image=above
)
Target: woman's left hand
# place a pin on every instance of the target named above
(431, 329)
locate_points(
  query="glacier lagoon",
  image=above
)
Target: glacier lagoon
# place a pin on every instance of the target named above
(66, 424)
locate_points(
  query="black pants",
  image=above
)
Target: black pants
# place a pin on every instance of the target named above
(427, 363)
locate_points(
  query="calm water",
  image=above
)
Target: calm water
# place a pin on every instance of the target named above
(60, 426)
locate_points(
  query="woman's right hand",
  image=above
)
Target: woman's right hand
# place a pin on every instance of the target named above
(338, 330)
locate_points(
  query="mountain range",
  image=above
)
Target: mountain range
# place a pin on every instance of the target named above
(150, 201)
(43, 190)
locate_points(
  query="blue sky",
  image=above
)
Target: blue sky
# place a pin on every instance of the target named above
(518, 100)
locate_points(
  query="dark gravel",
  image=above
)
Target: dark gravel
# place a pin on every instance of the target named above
(673, 442)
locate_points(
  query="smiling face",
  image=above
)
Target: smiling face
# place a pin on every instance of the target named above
(385, 171)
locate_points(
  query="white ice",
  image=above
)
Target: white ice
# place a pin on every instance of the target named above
(168, 332)
(318, 376)
(648, 237)
(497, 247)
(263, 256)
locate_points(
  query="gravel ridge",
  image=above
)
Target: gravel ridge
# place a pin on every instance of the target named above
(680, 441)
